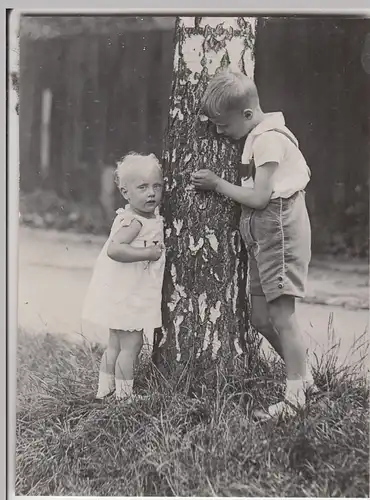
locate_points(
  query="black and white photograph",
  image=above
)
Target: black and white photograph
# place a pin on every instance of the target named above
(193, 254)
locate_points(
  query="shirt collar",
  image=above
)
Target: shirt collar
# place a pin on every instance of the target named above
(270, 121)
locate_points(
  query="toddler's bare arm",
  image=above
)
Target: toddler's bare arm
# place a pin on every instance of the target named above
(120, 248)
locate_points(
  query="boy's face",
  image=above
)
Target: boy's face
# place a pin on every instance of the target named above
(234, 124)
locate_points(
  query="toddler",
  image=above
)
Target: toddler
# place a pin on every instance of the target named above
(124, 295)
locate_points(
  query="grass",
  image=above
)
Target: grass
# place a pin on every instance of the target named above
(192, 437)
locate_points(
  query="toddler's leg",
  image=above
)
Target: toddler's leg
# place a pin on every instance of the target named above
(107, 366)
(283, 316)
(130, 345)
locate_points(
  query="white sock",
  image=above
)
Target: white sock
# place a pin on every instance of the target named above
(106, 385)
(124, 388)
(295, 392)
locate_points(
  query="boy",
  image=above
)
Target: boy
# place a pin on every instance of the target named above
(274, 224)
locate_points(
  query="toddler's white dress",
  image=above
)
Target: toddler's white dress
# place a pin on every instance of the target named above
(127, 296)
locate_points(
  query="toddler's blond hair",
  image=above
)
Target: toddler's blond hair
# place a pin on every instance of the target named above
(130, 163)
(229, 91)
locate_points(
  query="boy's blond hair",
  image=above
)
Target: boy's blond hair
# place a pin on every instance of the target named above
(229, 91)
(130, 163)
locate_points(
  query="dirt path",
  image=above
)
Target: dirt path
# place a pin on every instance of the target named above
(55, 269)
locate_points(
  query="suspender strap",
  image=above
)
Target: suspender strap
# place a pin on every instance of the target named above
(286, 135)
(249, 170)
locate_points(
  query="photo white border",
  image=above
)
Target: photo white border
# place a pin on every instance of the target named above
(10, 224)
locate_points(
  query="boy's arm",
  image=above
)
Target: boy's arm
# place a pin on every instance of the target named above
(256, 197)
(119, 248)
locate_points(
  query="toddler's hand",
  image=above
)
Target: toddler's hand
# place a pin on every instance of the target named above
(155, 252)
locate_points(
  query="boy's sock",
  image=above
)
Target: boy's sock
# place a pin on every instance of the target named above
(124, 389)
(309, 383)
(294, 392)
(106, 385)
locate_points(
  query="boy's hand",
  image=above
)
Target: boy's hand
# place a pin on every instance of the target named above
(205, 179)
(155, 252)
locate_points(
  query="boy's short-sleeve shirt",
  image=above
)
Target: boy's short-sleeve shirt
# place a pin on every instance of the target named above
(266, 144)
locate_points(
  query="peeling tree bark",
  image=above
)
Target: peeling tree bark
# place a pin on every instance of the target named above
(204, 293)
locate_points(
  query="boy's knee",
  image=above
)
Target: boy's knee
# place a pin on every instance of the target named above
(259, 320)
(281, 311)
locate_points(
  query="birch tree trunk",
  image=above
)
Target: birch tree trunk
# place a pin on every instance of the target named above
(204, 293)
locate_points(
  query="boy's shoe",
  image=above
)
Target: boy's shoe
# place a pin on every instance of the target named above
(282, 409)
(294, 399)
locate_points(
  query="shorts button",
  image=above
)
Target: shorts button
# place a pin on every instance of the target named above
(280, 285)
(280, 278)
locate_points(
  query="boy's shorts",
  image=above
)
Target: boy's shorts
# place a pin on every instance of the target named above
(278, 240)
